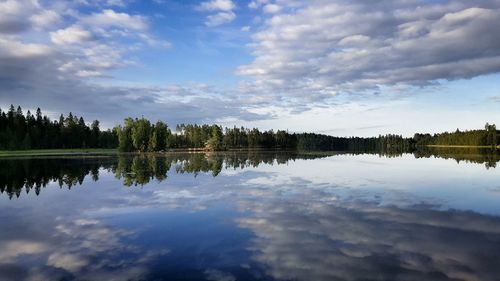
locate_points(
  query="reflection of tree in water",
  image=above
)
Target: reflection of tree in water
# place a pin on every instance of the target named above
(36, 173)
(488, 157)
(140, 170)
(32, 174)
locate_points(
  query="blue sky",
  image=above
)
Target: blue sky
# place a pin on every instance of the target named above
(331, 66)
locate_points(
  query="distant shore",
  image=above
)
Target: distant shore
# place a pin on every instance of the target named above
(109, 152)
(463, 146)
(58, 152)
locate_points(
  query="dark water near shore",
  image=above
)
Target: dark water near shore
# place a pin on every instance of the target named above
(432, 215)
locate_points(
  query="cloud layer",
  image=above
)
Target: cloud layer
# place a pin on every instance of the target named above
(67, 65)
(79, 55)
(328, 47)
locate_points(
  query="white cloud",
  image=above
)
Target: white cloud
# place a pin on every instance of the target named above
(220, 18)
(325, 47)
(103, 3)
(45, 19)
(271, 8)
(15, 49)
(73, 70)
(13, 14)
(71, 35)
(110, 18)
(224, 9)
(154, 42)
(257, 3)
(217, 5)
(120, 3)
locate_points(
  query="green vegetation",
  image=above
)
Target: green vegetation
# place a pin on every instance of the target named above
(51, 152)
(141, 135)
(20, 132)
(489, 137)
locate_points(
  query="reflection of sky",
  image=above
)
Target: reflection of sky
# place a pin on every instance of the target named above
(397, 180)
(342, 217)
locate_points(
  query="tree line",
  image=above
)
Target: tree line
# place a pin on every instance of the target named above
(490, 136)
(141, 135)
(36, 131)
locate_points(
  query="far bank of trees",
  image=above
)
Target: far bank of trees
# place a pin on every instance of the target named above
(141, 135)
(36, 131)
(490, 136)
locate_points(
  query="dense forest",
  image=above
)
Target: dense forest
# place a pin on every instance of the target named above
(141, 135)
(490, 136)
(36, 131)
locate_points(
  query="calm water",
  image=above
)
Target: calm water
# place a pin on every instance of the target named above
(245, 216)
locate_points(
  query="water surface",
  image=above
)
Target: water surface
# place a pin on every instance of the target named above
(251, 216)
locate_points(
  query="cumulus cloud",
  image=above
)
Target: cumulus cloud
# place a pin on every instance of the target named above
(18, 50)
(257, 3)
(325, 47)
(220, 18)
(57, 74)
(224, 11)
(45, 19)
(13, 14)
(217, 5)
(110, 18)
(70, 35)
(104, 3)
(271, 8)
(55, 78)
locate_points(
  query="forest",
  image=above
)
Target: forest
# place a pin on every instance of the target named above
(19, 131)
(141, 135)
(490, 136)
(36, 131)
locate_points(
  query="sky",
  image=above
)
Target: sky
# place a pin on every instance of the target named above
(338, 67)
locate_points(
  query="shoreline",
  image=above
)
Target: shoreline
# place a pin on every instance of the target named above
(97, 152)
(462, 146)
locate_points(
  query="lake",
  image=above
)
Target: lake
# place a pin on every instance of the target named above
(251, 216)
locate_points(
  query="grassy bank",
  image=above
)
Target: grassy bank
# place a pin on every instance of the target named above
(55, 152)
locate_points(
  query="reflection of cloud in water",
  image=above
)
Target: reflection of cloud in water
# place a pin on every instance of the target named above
(217, 275)
(311, 221)
(84, 248)
(309, 231)
(10, 250)
(313, 239)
